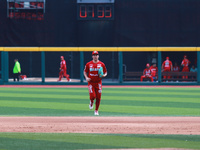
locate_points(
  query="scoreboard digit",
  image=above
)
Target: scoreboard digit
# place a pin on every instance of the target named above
(95, 9)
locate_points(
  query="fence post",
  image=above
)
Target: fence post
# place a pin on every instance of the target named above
(198, 66)
(159, 66)
(6, 67)
(120, 67)
(81, 66)
(43, 66)
(2, 66)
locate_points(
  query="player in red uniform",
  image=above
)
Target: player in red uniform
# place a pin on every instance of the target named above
(93, 79)
(154, 70)
(63, 70)
(167, 67)
(185, 63)
(147, 73)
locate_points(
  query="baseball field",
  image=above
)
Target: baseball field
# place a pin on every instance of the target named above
(58, 117)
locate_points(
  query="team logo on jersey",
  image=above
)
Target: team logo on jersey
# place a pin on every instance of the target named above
(91, 65)
(98, 65)
(148, 71)
(94, 69)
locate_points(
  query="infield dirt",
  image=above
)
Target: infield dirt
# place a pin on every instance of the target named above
(114, 125)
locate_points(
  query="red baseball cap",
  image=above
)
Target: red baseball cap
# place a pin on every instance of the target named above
(61, 57)
(95, 53)
(148, 65)
(167, 57)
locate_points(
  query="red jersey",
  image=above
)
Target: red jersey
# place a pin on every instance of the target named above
(176, 69)
(63, 65)
(154, 70)
(147, 72)
(185, 62)
(92, 68)
(167, 64)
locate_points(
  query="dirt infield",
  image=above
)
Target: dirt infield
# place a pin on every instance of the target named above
(114, 125)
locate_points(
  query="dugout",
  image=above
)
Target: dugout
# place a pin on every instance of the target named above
(116, 68)
(128, 34)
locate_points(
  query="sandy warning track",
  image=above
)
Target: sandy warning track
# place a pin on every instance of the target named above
(115, 125)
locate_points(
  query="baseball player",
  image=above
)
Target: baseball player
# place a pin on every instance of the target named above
(167, 67)
(154, 71)
(147, 73)
(94, 80)
(185, 63)
(63, 70)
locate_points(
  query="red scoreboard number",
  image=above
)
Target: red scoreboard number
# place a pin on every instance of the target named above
(96, 12)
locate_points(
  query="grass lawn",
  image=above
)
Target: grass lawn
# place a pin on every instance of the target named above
(115, 102)
(138, 101)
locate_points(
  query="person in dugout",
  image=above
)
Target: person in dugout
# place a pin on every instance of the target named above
(154, 72)
(63, 70)
(167, 67)
(176, 68)
(147, 73)
(185, 63)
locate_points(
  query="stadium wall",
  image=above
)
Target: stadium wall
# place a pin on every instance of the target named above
(138, 24)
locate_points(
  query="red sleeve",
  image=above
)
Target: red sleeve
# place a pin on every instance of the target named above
(86, 68)
(144, 71)
(104, 68)
(182, 62)
(163, 64)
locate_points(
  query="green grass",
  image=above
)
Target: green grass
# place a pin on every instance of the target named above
(115, 102)
(62, 141)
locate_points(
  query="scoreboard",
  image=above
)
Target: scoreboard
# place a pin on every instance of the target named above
(86, 9)
(95, 9)
(26, 9)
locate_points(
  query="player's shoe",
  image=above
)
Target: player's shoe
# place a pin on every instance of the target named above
(96, 113)
(90, 106)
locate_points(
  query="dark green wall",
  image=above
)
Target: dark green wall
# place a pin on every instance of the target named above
(136, 23)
